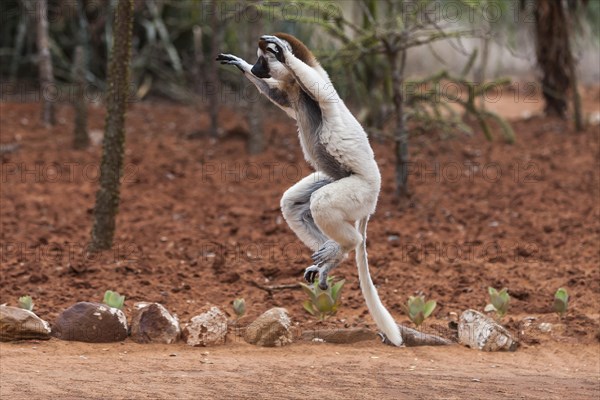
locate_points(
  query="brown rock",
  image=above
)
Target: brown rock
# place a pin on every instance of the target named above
(91, 322)
(352, 335)
(208, 328)
(271, 329)
(19, 324)
(152, 323)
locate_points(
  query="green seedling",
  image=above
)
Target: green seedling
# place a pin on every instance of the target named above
(26, 303)
(239, 306)
(561, 302)
(113, 299)
(499, 301)
(418, 310)
(323, 303)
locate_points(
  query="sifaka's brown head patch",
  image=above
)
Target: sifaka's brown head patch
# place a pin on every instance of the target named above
(299, 49)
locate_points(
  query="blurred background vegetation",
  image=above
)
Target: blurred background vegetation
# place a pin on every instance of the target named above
(168, 34)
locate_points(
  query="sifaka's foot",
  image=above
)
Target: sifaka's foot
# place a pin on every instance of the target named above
(310, 273)
(330, 252)
(325, 259)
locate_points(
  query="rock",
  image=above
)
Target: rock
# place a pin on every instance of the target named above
(545, 327)
(19, 324)
(413, 337)
(351, 335)
(271, 329)
(477, 331)
(152, 323)
(208, 328)
(91, 322)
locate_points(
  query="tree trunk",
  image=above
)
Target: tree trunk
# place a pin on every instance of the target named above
(19, 42)
(111, 168)
(401, 135)
(81, 139)
(553, 54)
(256, 140)
(572, 68)
(213, 72)
(480, 72)
(44, 61)
(197, 69)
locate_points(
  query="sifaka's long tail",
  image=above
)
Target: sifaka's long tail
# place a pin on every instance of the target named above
(380, 314)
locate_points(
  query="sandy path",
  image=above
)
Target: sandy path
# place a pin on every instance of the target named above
(368, 371)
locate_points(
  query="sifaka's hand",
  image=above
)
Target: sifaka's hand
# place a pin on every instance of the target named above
(230, 59)
(279, 49)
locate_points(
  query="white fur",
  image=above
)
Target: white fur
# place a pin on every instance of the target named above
(334, 206)
(352, 198)
(380, 314)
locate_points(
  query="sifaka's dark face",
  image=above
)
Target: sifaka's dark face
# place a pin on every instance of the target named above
(261, 68)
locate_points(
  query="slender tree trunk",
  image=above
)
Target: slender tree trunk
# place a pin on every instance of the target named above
(480, 73)
(576, 98)
(553, 54)
(572, 68)
(213, 73)
(256, 141)
(19, 42)
(111, 168)
(44, 61)
(81, 138)
(197, 69)
(397, 61)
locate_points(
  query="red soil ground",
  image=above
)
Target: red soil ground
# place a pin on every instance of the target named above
(200, 222)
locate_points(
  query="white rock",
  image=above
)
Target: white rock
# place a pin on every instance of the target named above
(477, 331)
(208, 328)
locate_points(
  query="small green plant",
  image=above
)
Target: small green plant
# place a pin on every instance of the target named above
(239, 306)
(113, 299)
(418, 310)
(323, 303)
(26, 303)
(561, 302)
(499, 301)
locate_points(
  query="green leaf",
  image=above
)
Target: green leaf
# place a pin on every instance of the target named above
(113, 299)
(415, 305)
(500, 300)
(324, 303)
(336, 290)
(429, 307)
(308, 290)
(239, 306)
(562, 295)
(308, 307)
(418, 319)
(492, 291)
(26, 303)
(561, 301)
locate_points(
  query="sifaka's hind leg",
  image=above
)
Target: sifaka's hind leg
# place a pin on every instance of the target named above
(295, 206)
(335, 209)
